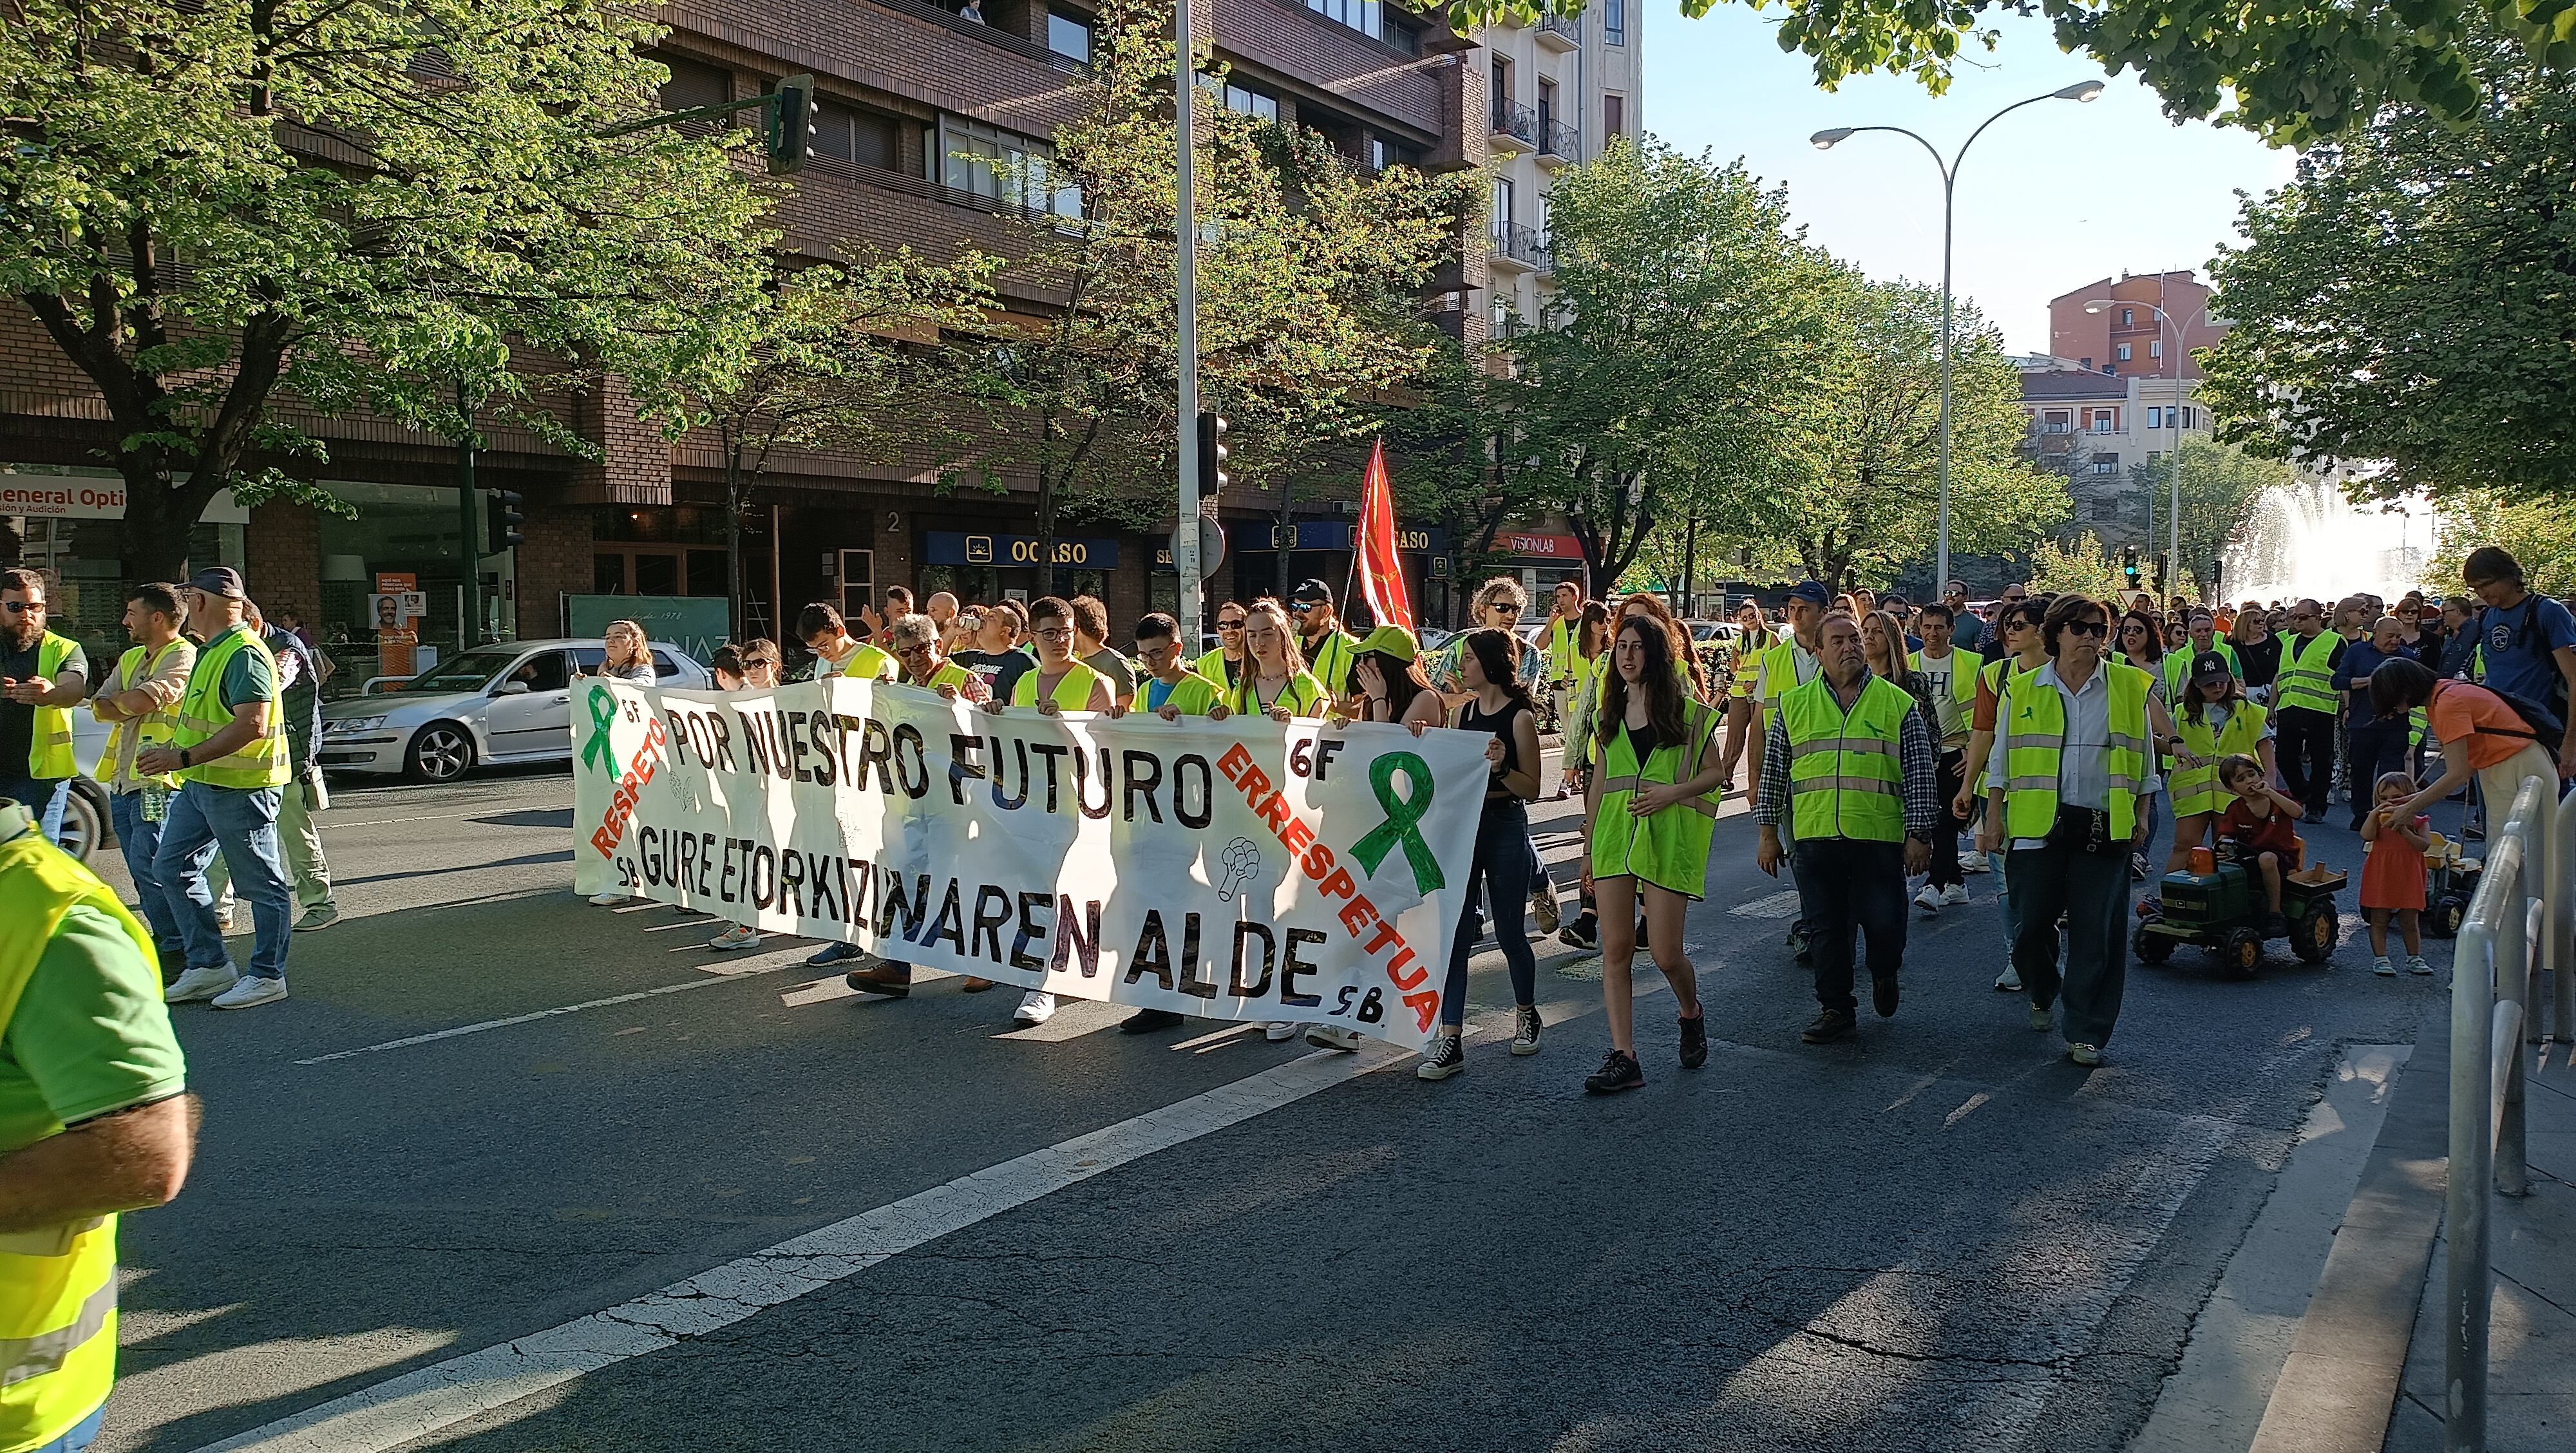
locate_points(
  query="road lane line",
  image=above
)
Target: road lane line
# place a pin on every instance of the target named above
(430, 1399)
(531, 1018)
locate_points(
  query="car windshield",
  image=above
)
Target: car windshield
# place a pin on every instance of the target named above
(466, 673)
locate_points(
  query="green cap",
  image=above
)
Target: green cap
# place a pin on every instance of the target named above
(1393, 641)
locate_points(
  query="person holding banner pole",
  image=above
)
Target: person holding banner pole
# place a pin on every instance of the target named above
(1500, 706)
(1652, 805)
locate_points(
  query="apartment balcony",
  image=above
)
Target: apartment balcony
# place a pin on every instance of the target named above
(1516, 249)
(1560, 33)
(1558, 145)
(1515, 127)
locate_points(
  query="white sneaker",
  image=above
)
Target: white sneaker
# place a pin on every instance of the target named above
(2415, 964)
(249, 991)
(1929, 900)
(224, 923)
(1974, 863)
(1280, 1031)
(198, 984)
(735, 938)
(1328, 1036)
(1037, 1006)
(612, 898)
(2009, 981)
(2383, 968)
(1955, 896)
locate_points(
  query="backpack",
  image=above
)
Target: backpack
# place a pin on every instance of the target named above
(2547, 727)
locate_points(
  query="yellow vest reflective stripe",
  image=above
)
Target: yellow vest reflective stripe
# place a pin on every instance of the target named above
(1072, 689)
(1303, 695)
(1669, 848)
(870, 664)
(2307, 674)
(132, 670)
(57, 1313)
(2032, 725)
(202, 713)
(2196, 789)
(1845, 777)
(49, 749)
(1564, 656)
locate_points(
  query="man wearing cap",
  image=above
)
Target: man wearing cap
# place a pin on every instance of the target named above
(42, 677)
(229, 751)
(1321, 639)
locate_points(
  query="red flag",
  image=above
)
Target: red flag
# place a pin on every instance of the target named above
(1381, 575)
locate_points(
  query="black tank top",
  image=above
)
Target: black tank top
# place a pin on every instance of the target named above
(1470, 719)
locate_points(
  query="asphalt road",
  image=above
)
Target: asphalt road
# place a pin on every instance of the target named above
(1943, 1236)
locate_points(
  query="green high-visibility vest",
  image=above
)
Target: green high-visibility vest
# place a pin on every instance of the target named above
(867, 663)
(1072, 689)
(2197, 790)
(2032, 725)
(202, 713)
(1845, 778)
(2307, 674)
(1303, 695)
(1564, 655)
(49, 749)
(1669, 848)
(2178, 668)
(1330, 663)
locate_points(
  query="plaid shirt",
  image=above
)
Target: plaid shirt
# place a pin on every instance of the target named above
(1914, 756)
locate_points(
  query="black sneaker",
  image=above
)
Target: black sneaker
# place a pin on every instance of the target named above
(1618, 1072)
(2276, 926)
(1695, 1040)
(1446, 1057)
(1882, 996)
(1831, 1025)
(1146, 1020)
(1527, 1027)
(834, 953)
(1584, 932)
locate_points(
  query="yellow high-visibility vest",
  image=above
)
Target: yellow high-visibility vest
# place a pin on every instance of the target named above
(2307, 674)
(132, 670)
(261, 762)
(867, 663)
(2032, 725)
(2197, 789)
(49, 749)
(1669, 848)
(1845, 777)
(1072, 689)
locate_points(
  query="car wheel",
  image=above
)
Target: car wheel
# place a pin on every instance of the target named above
(84, 824)
(440, 752)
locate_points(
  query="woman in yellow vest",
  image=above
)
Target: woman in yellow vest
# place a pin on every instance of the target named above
(1275, 682)
(80, 1009)
(2215, 719)
(1650, 808)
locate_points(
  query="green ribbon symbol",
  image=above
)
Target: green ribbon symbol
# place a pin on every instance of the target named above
(603, 714)
(1401, 815)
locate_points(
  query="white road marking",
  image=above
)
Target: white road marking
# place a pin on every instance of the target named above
(1783, 904)
(430, 1399)
(465, 1029)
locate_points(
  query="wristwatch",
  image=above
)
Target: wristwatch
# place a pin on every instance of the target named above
(183, 757)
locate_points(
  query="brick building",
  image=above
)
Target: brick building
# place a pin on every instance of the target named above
(904, 88)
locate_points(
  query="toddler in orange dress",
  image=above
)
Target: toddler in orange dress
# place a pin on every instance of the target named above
(2392, 877)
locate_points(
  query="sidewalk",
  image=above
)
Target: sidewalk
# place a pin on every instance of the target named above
(2531, 1380)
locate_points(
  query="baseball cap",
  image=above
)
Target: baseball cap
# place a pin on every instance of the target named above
(1813, 592)
(1393, 641)
(219, 580)
(2209, 666)
(1311, 589)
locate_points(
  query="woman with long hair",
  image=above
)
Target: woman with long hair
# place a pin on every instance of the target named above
(1387, 682)
(2481, 737)
(1499, 706)
(1275, 682)
(1592, 641)
(1650, 808)
(2215, 718)
(2258, 653)
(1677, 640)
(628, 659)
(1882, 645)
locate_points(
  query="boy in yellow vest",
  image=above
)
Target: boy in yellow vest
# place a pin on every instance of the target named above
(95, 1120)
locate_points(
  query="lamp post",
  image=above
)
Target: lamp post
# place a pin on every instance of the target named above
(2173, 418)
(1826, 140)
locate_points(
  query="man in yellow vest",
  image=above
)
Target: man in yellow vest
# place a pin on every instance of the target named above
(229, 752)
(2305, 708)
(1562, 662)
(1791, 662)
(1170, 690)
(95, 1120)
(1328, 648)
(2077, 738)
(1849, 763)
(42, 677)
(139, 701)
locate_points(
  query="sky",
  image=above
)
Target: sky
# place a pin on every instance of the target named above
(2054, 196)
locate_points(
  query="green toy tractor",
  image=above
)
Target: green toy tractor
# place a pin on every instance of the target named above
(2223, 911)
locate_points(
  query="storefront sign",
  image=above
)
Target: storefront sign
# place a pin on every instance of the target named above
(1244, 869)
(1543, 547)
(92, 497)
(956, 547)
(1335, 535)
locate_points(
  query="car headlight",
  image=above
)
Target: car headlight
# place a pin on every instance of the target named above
(353, 724)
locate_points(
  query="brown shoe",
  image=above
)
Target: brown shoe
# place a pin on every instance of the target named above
(893, 981)
(975, 985)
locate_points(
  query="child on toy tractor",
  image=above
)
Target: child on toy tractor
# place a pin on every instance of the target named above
(2261, 825)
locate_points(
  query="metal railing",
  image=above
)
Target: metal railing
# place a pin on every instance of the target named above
(1515, 120)
(1558, 139)
(1566, 27)
(2516, 923)
(1521, 244)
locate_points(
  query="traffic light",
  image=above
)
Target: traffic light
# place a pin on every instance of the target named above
(790, 136)
(2129, 564)
(502, 523)
(1212, 454)
(2214, 568)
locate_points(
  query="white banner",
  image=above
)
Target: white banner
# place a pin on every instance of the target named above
(1242, 869)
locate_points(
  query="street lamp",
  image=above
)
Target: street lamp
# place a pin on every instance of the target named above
(1826, 141)
(2173, 416)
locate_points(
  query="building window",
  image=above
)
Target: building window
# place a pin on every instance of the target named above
(1502, 218)
(1242, 98)
(1614, 21)
(2106, 464)
(2153, 455)
(1546, 107)
(845, 133)
(1003, 166)
(1359, 15)
(2106, 509)
(1614, 116)
(1069, 36)
(2155, 419)
(2124, 352)
(694, 84)
(2128, 317)
(1502, 83)
(2104, 420)
(2155, 348)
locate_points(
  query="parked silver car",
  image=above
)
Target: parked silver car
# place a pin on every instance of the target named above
(491, 705)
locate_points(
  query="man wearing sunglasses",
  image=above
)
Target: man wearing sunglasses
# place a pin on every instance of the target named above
(2303, 695)
(1224, 666)
(42, 676)
(1326, 647)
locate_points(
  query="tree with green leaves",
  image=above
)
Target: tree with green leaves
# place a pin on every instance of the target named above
(2221, 486)
(837, 358)
(2080, 568)
(1858, 490)
(2407, 299)
(236, 214)
(2541, 534)
(1687, 315)
(1309, 276)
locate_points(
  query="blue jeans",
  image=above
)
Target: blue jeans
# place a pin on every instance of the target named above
(141, 840)
(244, 824)
(80, 1437)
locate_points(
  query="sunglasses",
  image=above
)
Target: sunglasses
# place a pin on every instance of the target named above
(2089, 628)
(1300, 607)
(1233, 625)
(22, 607)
